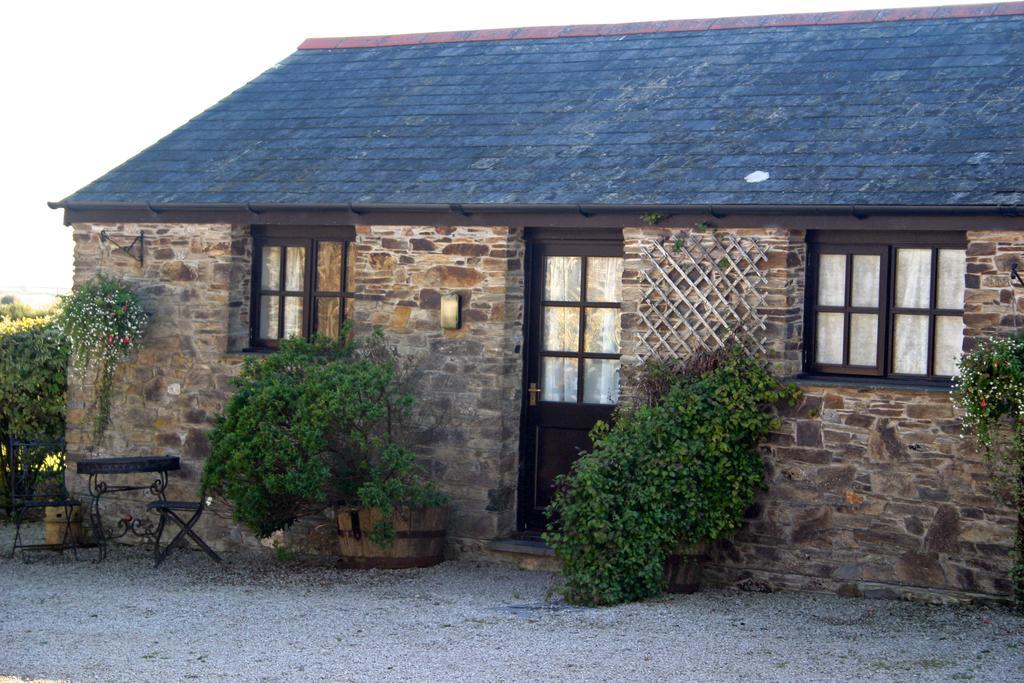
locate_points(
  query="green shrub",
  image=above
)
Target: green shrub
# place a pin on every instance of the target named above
(990, 394)
(676, 470)
(33, 383)
(11, 308)
(310, 426)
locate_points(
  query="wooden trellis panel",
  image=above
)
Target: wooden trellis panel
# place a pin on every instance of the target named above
(701, 291)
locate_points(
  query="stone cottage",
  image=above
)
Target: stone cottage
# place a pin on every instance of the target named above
(843, 192)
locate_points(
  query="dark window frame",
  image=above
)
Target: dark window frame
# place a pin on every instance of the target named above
(310, 238)
(884, 244)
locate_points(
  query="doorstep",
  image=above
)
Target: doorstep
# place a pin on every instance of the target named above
(526, 552)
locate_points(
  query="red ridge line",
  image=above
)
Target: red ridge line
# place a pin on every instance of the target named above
(858, 16)
(590, 30)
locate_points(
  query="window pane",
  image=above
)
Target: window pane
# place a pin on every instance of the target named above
(829, 339)
(328, 317)
(832, 280)
(295, 269)
(866, 271)
(328, 266)
(270, 277)
(913, 278)
(604, 279)
(864, 339)
(603, 331)
(561, 329)
(952, 267)
(910, 345)
(269, 306)
(558, 380)
(949, 341)
(293, 316)
(562, 278)
(600, 381)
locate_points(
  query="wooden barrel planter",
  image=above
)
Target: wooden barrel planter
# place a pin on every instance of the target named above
(419, 538)
(683, 569)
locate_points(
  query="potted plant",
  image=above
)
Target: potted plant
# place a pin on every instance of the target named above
(395, 520)
(989, 393)
(103, 323)
(314, 425)
(676, 470)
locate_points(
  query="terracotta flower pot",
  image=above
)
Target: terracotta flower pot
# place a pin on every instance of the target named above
(418, 542)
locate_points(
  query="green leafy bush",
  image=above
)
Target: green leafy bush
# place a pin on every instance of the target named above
(674, 470)
(12, 308)
(103, 323)
(990, 394)
(33, 383)
(310, 426)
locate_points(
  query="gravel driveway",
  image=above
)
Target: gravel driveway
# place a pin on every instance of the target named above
(266, 619)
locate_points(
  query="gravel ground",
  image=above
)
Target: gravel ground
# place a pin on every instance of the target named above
(260, 618)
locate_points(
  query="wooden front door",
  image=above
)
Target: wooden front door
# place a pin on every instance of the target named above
(572, 360)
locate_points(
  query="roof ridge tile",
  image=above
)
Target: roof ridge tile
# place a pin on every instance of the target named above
(673, 26)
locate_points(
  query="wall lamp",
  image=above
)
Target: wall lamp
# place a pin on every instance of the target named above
(451, 312)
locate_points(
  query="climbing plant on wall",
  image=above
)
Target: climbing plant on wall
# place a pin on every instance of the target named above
(990, 394)
(103, 323)
(677, 469)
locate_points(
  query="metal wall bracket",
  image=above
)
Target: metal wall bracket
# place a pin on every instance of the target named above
(130, 248)
(1015, 274)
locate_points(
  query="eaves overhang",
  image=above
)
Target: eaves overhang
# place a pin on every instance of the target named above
(582, 208)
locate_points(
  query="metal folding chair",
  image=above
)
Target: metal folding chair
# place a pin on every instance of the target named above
(169, 509)
(37, 482)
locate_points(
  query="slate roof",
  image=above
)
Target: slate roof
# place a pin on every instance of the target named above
(922, 112)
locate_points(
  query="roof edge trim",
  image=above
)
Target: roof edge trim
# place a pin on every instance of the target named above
(715, 209)
(592, 30)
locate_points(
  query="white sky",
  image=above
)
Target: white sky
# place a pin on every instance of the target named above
(87, 84)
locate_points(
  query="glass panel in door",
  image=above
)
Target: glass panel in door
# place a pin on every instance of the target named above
(581, 292)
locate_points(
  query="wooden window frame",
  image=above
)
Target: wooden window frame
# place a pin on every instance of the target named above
(885, 245)
(310, 239)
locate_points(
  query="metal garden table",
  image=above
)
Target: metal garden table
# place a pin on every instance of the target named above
(99, 468)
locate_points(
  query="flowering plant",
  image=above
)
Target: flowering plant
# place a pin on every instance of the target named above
(103, 322)
(990, 394)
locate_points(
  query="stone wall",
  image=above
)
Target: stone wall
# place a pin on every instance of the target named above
(194, 284)
(468, 380)
(869, 490)
(873, 491)
(993, 305)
